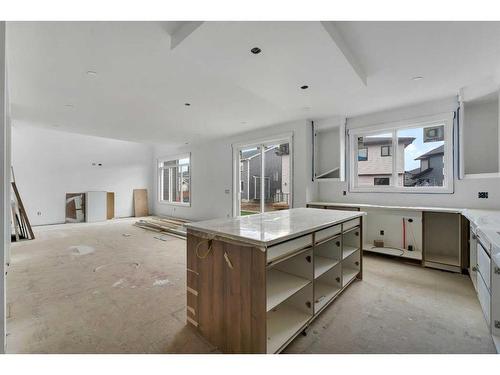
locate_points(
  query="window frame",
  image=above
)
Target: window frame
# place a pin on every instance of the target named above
(160, 181)
(364, 148)
(446, 119)
(261, 142)
(389, 153)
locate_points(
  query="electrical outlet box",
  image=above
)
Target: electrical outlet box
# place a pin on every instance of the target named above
(482, 194)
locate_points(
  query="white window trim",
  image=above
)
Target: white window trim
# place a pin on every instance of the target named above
(392, 127)
(285, 137)
(159, 179)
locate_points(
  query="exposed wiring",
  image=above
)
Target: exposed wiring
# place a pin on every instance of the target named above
(208, 250)
(413, 237)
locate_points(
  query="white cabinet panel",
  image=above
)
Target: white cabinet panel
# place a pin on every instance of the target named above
(96, 206)
(484, 299)
(473, 258)
(484, 264)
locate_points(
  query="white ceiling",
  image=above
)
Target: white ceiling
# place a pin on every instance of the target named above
(142, 84)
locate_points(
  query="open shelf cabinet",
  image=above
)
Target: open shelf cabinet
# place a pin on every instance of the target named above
(351, 267)
(350, 242)
(326, 287)
(266, 297)
(327, 255)
(442, 240)
(286, 321)
(287, 277)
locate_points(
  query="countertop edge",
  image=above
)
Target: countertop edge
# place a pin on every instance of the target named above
(266, 244)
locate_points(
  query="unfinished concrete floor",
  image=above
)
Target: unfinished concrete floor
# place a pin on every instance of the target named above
(114, 288)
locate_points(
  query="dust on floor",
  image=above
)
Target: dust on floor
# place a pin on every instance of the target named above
(88, 288)
(113, 288)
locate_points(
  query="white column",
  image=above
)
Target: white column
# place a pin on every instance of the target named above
(4, 186)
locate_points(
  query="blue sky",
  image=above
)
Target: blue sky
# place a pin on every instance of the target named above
(417, 148)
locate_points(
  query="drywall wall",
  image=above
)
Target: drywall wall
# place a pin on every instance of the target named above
(4, 186)
(49, 163)
(211, 172)
(480, 132)
(465, 191)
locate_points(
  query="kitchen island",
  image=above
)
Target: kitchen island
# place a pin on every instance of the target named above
(255, 282)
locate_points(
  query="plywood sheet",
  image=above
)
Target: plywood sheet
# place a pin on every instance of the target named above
(75, 207)
(110, 205)
(141, 202)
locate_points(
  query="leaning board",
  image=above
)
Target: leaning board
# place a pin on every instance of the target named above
(141, 202)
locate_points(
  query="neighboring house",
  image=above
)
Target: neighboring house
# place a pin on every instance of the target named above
(276, 174)
(431, 170)
(375, 160)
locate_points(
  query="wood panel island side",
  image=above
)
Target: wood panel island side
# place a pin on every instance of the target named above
(255, 282)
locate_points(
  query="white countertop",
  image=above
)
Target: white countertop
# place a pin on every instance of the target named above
(486, 222)
(407, 208)
(273, 227)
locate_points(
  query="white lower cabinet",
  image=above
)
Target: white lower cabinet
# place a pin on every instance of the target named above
(301, 283)
(473, 257)
(484, 264)
(495, 304)
(484, 299)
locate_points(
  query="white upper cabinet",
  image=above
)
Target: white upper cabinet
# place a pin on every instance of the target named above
(329, 149)
(479, 135)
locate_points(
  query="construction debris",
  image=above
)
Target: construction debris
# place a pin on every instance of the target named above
(168, 225)
(19, 217)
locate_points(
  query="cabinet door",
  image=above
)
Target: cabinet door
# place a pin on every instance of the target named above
(473, 258)
(484, 299)
(495, 298)
(483, 264)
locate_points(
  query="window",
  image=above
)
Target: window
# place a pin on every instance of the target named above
(422, 161)
(363, 154)
(264, 172)
(381, 181)
(174, 179)
(385, 150)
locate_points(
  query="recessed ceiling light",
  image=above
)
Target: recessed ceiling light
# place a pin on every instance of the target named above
(304, 87)
(186, 143)
(187, 104)
(256, 50)
(417, 78)
(91, 73)
(243, 122)
(69, 105)
(306, 108)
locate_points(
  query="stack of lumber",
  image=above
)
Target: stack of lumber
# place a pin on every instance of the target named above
(167, 225)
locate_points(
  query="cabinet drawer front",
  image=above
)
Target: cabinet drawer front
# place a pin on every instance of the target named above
(283, 249)
(327, 233)
(484, 265)
(350, 224)
(484, 299)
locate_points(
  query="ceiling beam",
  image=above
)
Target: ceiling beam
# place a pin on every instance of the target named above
(182, 32)
(341, 44)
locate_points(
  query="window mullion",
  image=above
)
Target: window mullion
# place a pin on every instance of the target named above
(262, 178)
(395, 157)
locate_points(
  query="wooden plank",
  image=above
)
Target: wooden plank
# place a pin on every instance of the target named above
(14, 221)
(141, 207)
(22, 210)
(110, 205)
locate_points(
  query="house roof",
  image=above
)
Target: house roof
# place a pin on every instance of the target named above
(386, 140)
(246, 154)
(435, 151)
(250, 154)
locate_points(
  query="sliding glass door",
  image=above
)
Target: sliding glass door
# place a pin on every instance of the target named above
(263, 177)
